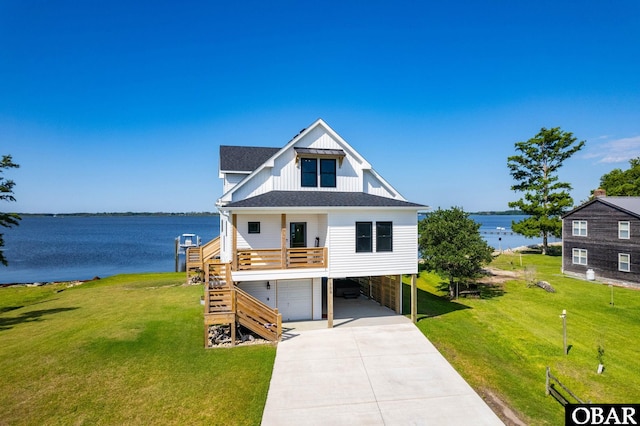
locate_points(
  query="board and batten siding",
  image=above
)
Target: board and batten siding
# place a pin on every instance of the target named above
(231, 180)
(602, 243)
(261, 183)
(345, 262)
(285, 173)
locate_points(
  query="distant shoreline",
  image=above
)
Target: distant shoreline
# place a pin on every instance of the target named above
(117, 214)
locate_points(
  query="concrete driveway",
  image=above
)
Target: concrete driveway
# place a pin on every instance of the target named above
(380, 374)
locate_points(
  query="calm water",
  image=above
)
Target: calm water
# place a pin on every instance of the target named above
(496, 230)
(59, 248)
(46, 249)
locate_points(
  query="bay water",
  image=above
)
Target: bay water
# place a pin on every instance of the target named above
(65, 248)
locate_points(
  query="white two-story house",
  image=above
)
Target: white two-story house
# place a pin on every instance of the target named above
(295, 219)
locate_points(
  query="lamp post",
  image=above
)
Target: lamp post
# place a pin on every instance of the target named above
(611, 287)
(564, 329)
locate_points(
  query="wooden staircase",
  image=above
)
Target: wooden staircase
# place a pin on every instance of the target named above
(224, 303)
(197, 256)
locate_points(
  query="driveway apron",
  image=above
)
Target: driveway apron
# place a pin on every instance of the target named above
(369, 375)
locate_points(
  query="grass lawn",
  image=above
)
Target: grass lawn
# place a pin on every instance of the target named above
(503, 342)
(124, 350)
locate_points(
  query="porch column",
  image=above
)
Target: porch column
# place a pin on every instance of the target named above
(234, 241)
(414, 299)
(330, 303)
(283, 241)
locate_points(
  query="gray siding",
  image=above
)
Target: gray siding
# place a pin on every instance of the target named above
(602, 243)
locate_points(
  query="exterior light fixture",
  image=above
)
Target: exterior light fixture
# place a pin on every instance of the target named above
(268, 286)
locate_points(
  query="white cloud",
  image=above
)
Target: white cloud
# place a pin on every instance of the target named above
(615, 151)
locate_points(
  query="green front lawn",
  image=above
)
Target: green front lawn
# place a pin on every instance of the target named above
(124, 350)
(503, 342)
(129, 349)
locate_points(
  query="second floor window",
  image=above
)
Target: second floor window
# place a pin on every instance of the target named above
(309, 167)
(328, 173)
(310, 172)
(624, 230)
(580, 228)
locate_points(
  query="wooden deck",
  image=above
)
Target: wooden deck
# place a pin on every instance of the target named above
(227, 304)
(261, 259)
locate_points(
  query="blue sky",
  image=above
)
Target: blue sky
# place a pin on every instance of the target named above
(121, 106)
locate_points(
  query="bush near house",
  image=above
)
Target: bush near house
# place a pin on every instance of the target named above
(503, 342)
(123, 350)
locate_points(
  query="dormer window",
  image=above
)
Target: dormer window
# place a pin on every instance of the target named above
(309, 168)
(328, 172)
(322, 163)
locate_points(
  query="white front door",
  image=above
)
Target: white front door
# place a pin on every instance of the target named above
(294, 300)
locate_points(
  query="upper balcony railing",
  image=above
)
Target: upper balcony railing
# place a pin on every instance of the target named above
(261, 259)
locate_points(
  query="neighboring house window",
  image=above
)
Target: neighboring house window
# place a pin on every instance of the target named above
(328, 173)
(579, 256)
(254, 227)
(384, 236)
(624, 262)
(623, 230)
(363, 237)
(580, 228)
(309, 167)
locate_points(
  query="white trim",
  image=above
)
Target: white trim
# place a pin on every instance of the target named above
(577, 227)
(279, 274)
(628, 230)
(628, 262)
(581, 253)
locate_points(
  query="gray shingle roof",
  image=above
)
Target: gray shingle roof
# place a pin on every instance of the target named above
(244, 158)
(321, 199)
(630, 204)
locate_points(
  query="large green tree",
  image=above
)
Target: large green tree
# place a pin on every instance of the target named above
(623, 183)
(6, 194)
(535, 170)
(451, 245)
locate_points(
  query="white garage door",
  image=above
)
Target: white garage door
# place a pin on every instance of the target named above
(294, 300)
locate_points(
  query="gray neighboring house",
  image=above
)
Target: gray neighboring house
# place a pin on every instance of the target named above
(601, 240)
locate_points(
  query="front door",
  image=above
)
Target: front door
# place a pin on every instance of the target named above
(298, 234)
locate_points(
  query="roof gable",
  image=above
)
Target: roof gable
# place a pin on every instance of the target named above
(629, 205)
(297, 145)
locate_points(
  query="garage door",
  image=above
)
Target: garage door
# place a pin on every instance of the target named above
(294, 300)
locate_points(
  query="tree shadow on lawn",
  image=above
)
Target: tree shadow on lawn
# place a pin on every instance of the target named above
(482, 290)
(429, 304)
(31, 316)
(9, 308)
(432, 305)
